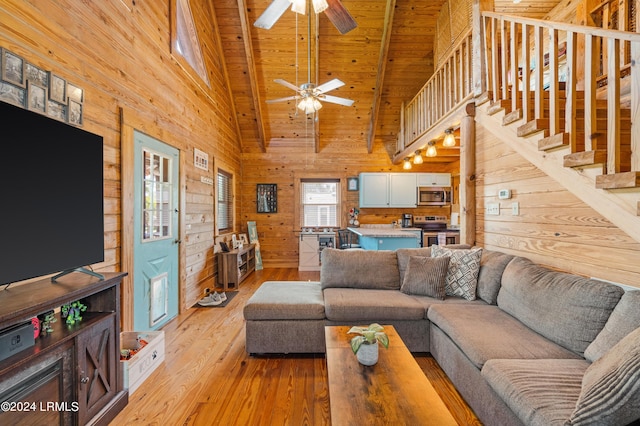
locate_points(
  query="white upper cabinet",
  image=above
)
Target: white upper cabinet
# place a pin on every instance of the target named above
(388, 190)
(434, 179)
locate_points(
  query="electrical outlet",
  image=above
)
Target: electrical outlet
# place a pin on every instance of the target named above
(493, 209)
(515, 209)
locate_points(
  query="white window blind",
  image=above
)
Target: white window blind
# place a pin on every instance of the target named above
(320, 202)
(225, 202)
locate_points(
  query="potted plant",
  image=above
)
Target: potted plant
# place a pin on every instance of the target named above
(365, 344)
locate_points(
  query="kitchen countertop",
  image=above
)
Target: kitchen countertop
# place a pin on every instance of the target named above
(389, 232)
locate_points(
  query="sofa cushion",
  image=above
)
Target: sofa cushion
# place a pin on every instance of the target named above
(611, 386)
(492, 266)
(541, 392)
(426, 276)
(464, 266)
(565, 308)
(485, 332)
(405, 253)
(366, 305)
(360, 269)
(284, 300)
(623, 320)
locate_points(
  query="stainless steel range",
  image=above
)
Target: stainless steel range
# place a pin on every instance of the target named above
(435, 230)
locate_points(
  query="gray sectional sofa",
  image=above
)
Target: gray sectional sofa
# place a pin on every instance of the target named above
(528, 346)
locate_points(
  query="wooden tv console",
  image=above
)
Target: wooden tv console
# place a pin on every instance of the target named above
(72, 375)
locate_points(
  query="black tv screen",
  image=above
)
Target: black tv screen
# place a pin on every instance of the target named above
(51, 214)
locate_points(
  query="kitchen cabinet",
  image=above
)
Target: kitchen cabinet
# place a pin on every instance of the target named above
(388, 190)
(434, 179)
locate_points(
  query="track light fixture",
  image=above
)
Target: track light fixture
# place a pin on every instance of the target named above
(407, 164)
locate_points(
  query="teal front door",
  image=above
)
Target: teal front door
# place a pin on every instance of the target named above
(155, 224)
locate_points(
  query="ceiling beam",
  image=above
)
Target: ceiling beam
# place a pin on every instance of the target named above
(251, 69)
(382, 66)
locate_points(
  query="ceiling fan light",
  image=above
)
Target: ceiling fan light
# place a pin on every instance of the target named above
(299, 6)
(320, 5)
(309, 105)
(406, 164)
(316, 104)
(418, 158)
(431, 151)
(449, 139)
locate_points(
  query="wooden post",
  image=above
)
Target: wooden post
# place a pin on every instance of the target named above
(480, 84)
(468, 176)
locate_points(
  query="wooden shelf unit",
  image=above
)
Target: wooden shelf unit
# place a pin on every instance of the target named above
(234, 266)
(76, 366)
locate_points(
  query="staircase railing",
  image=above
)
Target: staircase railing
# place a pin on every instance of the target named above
(580, 68)
(447, 90)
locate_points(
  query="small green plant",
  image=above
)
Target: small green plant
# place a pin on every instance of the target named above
(369, 335)
(72, 311)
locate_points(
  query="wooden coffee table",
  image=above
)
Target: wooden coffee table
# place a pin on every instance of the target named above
(394, 391)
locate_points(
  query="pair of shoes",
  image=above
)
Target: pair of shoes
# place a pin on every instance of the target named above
(223, 296)
(212, 299)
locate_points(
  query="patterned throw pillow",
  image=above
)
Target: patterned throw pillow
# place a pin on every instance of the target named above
(464, 266)
(611, 386)
(426, 276)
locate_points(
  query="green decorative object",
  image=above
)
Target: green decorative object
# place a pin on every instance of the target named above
(49, 318)
(72, 311)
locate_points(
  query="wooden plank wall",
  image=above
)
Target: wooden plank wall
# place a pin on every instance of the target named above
(119, 52)
(554, 227)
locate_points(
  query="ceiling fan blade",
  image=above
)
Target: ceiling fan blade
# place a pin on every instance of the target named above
(286, 83)
(272, 13)
(340, 16)
(329, 85)
(337, 100)
(288, 98)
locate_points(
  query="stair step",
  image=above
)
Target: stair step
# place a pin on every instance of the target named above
(484, 98)
(555, 141)
(585, 158)
(499, 105)
(618, 180)
(512, 116)
(534, 126)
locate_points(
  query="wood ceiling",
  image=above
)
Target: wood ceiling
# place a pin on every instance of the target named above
(383, 62)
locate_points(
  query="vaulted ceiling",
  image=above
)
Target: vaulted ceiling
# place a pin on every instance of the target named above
(383, 63)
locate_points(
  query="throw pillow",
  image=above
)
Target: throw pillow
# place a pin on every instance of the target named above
(464, 266)
(611, 386)
(426, 276)
(623, 320)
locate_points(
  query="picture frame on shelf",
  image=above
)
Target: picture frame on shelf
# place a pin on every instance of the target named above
(11, 94)
(74, 113)
(57, 89)
(267, 197)
(352, 183)
(36, 98)
(13, 68)
(75, 93)
(37, 75)
(243, 239)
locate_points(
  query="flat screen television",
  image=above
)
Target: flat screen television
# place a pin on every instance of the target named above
(51, 202)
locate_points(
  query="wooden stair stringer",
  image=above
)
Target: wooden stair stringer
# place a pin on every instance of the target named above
(619, 207)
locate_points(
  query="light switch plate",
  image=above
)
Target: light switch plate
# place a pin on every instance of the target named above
(493, 209)
(515, 209)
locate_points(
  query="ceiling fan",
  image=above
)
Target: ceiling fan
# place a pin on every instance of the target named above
(334, 9)
(310, 95)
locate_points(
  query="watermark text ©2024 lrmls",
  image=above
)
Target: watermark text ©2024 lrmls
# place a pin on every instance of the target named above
(25, 406)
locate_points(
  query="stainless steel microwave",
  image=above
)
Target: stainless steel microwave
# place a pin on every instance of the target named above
(434, 195)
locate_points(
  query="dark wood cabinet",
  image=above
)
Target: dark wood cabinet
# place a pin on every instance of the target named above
(72, 375)
(234, 266)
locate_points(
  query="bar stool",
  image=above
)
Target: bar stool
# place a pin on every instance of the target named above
(347, 240)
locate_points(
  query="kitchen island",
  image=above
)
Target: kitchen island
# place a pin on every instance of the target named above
(387, 238)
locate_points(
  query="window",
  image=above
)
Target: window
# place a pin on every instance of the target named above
(320, 202)
(186, 39)
(225, 202)
(156, 219)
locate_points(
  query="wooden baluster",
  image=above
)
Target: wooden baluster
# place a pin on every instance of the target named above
(590, 74)
(514, 65)
(635, 105)
(539, 73)
(613, 106)
(570, 88)
(526, 83)
(554, 107)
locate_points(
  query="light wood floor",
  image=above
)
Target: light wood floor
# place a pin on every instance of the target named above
(208, 378)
